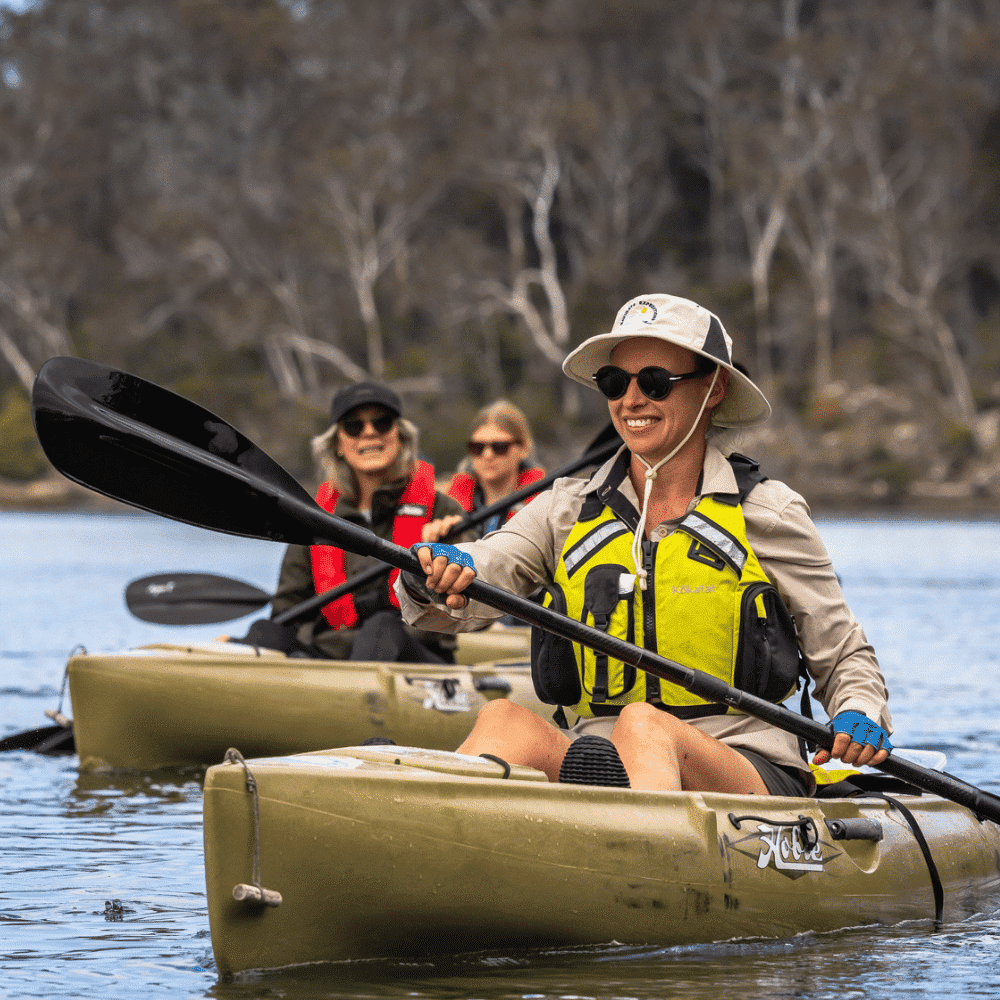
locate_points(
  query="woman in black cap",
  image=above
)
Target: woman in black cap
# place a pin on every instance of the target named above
(372, 477)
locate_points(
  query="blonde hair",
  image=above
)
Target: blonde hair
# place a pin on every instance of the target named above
(508, 417)
(335, 469)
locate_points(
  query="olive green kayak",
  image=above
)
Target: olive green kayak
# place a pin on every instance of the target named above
(393, 851)
(171, 705)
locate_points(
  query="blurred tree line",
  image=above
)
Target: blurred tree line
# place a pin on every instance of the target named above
(254, 201)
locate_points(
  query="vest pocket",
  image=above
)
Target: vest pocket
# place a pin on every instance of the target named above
(607, 609)
(553, 666)
(767, 654)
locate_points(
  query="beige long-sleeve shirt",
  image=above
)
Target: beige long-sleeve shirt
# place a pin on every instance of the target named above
(523, 554)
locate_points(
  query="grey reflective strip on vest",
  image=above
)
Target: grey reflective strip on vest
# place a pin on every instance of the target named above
(721, 541)
(590, 543)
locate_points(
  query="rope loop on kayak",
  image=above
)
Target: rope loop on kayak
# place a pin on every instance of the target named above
(255, 892)
(806, 826)
(82, 650)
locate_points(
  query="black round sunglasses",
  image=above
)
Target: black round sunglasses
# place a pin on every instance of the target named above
(355, 425)
(653, 381)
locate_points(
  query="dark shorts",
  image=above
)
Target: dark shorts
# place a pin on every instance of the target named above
(778, 780)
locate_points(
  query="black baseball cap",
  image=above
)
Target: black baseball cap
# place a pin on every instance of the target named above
(363, 394)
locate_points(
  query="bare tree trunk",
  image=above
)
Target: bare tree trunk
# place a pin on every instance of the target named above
(17, 361)
(763, 242)
(365, 291)
(549, 334)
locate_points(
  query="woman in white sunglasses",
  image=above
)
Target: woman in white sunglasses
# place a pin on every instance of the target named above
(674, 546)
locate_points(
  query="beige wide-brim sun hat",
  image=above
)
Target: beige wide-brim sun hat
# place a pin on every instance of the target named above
(687, 324)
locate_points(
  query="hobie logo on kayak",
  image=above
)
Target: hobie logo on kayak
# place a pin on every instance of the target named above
(784, 848)
(790, 848)
(155, 589)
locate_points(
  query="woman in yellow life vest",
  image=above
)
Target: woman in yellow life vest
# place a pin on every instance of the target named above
(372, 477)
(675, 546)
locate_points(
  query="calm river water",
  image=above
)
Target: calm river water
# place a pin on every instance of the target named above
(927, 592)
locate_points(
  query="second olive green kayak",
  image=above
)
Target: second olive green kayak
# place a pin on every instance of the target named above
(173, 705)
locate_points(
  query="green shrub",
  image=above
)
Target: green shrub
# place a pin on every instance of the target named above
(21, 455)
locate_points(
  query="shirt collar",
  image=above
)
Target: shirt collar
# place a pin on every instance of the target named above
(717, 476)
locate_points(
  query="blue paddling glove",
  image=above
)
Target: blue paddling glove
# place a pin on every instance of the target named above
(862, 730)
(453, 553)
(416, 586)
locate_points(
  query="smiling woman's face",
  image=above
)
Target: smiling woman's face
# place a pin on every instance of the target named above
(371, 453)
(649, 427)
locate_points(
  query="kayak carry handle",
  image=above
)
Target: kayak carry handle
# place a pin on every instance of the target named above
(58, 718)
(855, 828)
(244, 893)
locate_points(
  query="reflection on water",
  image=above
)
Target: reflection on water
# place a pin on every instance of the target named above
(899, 961)
(101, 880)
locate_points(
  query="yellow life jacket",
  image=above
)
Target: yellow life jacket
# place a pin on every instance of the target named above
(708, 604)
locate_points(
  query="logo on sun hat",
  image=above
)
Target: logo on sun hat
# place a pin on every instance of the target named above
(638, 311)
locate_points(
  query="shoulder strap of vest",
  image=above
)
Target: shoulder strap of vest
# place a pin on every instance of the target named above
(327, 496)
(608, 494)
(528, 475)
(421, 487)
(462, 488)
(747, 472)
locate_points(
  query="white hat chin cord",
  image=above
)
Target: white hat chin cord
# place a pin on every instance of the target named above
(640, 531)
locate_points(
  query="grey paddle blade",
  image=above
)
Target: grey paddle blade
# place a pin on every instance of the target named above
(192, 598)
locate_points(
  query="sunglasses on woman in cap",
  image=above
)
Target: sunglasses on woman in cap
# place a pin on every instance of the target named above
(354, 426)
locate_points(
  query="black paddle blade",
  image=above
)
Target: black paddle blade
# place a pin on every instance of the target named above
(192, 598)
(137, 442)
(50, 740)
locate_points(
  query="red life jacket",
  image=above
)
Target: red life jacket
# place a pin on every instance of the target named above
(416, 505)
(463, 488)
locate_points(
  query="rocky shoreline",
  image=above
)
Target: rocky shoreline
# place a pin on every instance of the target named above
(828, 496)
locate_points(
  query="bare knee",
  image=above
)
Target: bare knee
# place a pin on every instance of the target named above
(504, 721)
(643, 723)
(516, 734)
(501, 712)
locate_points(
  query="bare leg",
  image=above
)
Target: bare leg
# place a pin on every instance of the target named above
(516, 734)
(663, 753)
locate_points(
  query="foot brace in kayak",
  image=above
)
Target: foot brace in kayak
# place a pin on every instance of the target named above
(593, 760)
